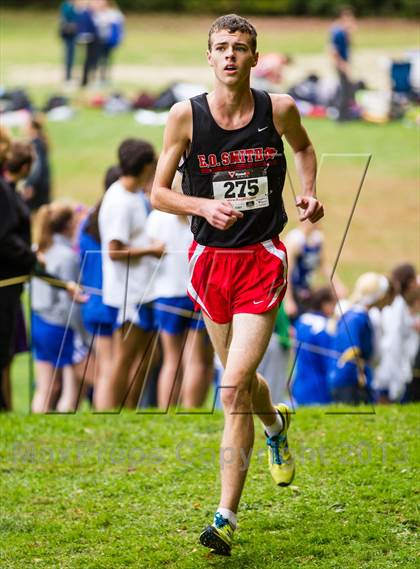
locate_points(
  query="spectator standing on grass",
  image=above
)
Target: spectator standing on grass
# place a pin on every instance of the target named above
(109, 21)
(340, 47)
(182, 332)
(128, 263)
(37, 188)
(88, 37)
(350, 379)
(68, 32)
(16, 256)
(98, 318)
(55, 317)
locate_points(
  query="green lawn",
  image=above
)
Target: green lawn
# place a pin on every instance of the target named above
(134, 491)
(155, 39)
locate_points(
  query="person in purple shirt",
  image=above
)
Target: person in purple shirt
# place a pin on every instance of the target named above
(340, 43)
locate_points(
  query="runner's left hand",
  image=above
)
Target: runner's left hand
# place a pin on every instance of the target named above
(309, 208)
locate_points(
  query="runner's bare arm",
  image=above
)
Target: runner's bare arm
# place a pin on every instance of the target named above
(176, 142)
(287, 121)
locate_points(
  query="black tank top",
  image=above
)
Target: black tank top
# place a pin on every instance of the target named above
(245, 167)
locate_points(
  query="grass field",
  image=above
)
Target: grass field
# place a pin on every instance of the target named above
(134, 491)
(155, 39)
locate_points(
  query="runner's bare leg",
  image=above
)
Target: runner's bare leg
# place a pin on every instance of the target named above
(241, 346)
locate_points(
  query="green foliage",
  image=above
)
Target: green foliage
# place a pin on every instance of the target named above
(279, 7)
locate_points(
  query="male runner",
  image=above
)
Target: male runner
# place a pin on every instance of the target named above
(233, 175)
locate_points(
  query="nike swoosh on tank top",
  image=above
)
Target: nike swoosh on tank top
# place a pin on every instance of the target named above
(245, 167)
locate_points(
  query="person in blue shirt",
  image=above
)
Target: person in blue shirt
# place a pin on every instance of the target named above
(88, 36)
(306, 256)
(351, 375)
(98, 318)
(340, 44)
(314, 350)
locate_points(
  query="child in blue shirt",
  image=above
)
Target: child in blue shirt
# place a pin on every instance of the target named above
(314, 345)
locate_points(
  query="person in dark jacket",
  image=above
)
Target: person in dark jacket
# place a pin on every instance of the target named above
(37, 191)
(88, 36)
(16, 256)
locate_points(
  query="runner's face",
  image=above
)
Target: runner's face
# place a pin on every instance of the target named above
(231, 56)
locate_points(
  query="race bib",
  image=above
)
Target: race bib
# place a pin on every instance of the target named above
(243, 189)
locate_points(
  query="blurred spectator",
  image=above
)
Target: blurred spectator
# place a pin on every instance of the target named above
(16, 256)
(351, 375)
(305, 253)
(5, 142)
(400, 338)
(182, 332)
(314, 344)
(68, 33)
(55, 317)
(268, 73)
(274, 365)
(87, 36)
(98, 318)
(109, 21)
(128, 262)
(37, 188)
(340, 44)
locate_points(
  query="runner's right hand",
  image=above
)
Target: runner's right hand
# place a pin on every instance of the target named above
(220, 214)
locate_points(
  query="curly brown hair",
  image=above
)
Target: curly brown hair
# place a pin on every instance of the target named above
(234, 23)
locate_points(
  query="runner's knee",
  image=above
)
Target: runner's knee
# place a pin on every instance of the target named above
(236, 397)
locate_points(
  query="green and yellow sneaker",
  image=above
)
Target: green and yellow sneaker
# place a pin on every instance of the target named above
(280, 460)
(218, 537)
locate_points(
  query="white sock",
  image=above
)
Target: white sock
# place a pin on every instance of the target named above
(228, 515)
(276, 427)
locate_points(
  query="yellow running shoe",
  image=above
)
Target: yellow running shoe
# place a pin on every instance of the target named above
(218, 536)
(280, 460)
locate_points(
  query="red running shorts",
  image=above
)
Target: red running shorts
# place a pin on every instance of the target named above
(224, 282)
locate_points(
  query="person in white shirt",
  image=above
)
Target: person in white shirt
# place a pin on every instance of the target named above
(182, 332)
(399, 340)
(129, 259)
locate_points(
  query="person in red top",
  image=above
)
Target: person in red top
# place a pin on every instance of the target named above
(230, 144)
